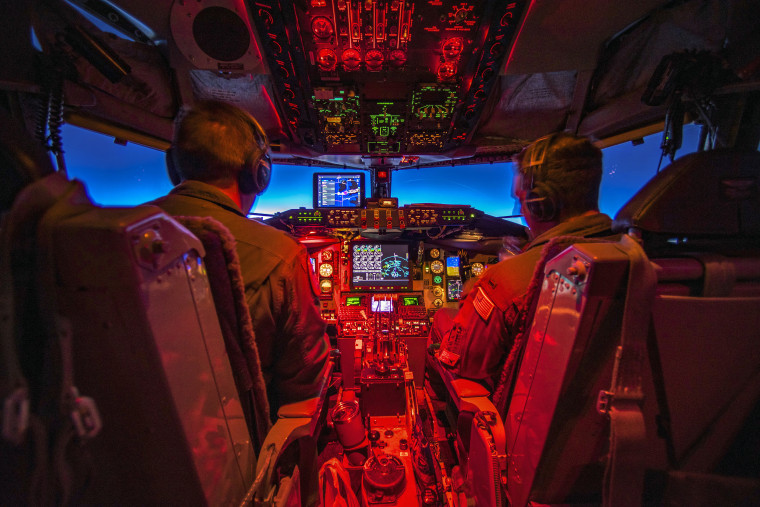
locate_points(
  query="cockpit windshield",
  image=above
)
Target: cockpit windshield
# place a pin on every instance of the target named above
(136, 174)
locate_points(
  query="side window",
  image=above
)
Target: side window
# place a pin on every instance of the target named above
(628, 166)
(114, 174)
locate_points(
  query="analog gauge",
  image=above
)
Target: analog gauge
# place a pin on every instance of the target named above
(452, 48)
(327, 255)
(327, 60)
(351, 59)
(325, 286)
(374, 59)
(437, 292)
(477, 268)
(436, 267)
(397, 58)
(325, 270)
(435, 253)
(447, 71)
(438, 279)
(437, 303)
(321, 27)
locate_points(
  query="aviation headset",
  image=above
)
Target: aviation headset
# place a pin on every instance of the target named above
(541, 197)
(253, 177)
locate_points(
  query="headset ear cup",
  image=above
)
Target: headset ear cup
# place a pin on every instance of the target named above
(171, 167)
(542, 202)
(247, 180)
(263, 175)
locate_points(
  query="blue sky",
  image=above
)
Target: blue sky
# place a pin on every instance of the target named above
(117, 175)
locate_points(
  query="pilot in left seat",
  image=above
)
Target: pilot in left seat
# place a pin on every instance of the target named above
(219, 164)
(557, 182)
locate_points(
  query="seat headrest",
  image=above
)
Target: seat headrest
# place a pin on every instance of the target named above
(711, 193)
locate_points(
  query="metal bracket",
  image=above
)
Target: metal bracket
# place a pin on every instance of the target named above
(85, 416)
(603, 401)
(16, 416)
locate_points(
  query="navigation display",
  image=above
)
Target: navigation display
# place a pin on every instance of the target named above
(454, 289)
(338, 190)
(380, 266)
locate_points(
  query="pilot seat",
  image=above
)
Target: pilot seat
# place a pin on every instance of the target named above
(119, 386)
(639, 382)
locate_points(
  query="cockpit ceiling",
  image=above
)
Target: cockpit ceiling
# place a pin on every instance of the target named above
(348, 82)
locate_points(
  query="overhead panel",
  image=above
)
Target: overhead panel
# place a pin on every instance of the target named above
(384, 76)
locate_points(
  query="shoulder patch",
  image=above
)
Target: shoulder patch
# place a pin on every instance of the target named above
(483, 304)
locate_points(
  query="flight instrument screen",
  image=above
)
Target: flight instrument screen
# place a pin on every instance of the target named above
(338, 190)
(380, 266)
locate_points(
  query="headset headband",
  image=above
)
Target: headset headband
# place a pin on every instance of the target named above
(536, 152)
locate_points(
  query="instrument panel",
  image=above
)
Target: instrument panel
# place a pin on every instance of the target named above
(411, 217)
(382, 273)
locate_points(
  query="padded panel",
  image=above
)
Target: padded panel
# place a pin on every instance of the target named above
(708, 193)
(709, 353)
(148, 349)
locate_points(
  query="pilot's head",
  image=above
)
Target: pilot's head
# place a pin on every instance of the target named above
(557, 177)
(220, 144)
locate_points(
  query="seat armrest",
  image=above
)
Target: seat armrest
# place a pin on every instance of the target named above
(306, 408)
(468, 395)
(295, 421)
(465, 388)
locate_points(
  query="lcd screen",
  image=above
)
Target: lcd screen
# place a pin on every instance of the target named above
(452, 266)
(382, 305)
(338, 190)
(353, 301)
(411, 300)
(454, 289)
(380, 266)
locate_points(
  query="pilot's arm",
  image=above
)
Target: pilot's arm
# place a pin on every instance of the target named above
(478, 339)
(302, 347)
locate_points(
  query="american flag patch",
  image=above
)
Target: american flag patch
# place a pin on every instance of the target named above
(483, 304)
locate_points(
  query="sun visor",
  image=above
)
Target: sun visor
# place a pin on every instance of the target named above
(530, 106)
(247, 91)
(713, 193)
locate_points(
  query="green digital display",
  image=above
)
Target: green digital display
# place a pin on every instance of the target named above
(353, 301)
(339, 117)
(434, 102)
(411, 301)
(385, 124)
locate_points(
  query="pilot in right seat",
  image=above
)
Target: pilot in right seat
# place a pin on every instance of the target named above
(557, 182)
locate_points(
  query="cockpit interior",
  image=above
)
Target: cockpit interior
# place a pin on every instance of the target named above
(127, 374)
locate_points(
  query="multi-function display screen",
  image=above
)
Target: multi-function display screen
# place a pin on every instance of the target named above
(353, 301)
(454, 289)
(410, 300)
(382, 305)
(380, 266)
(338, 190)
(452, 266)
